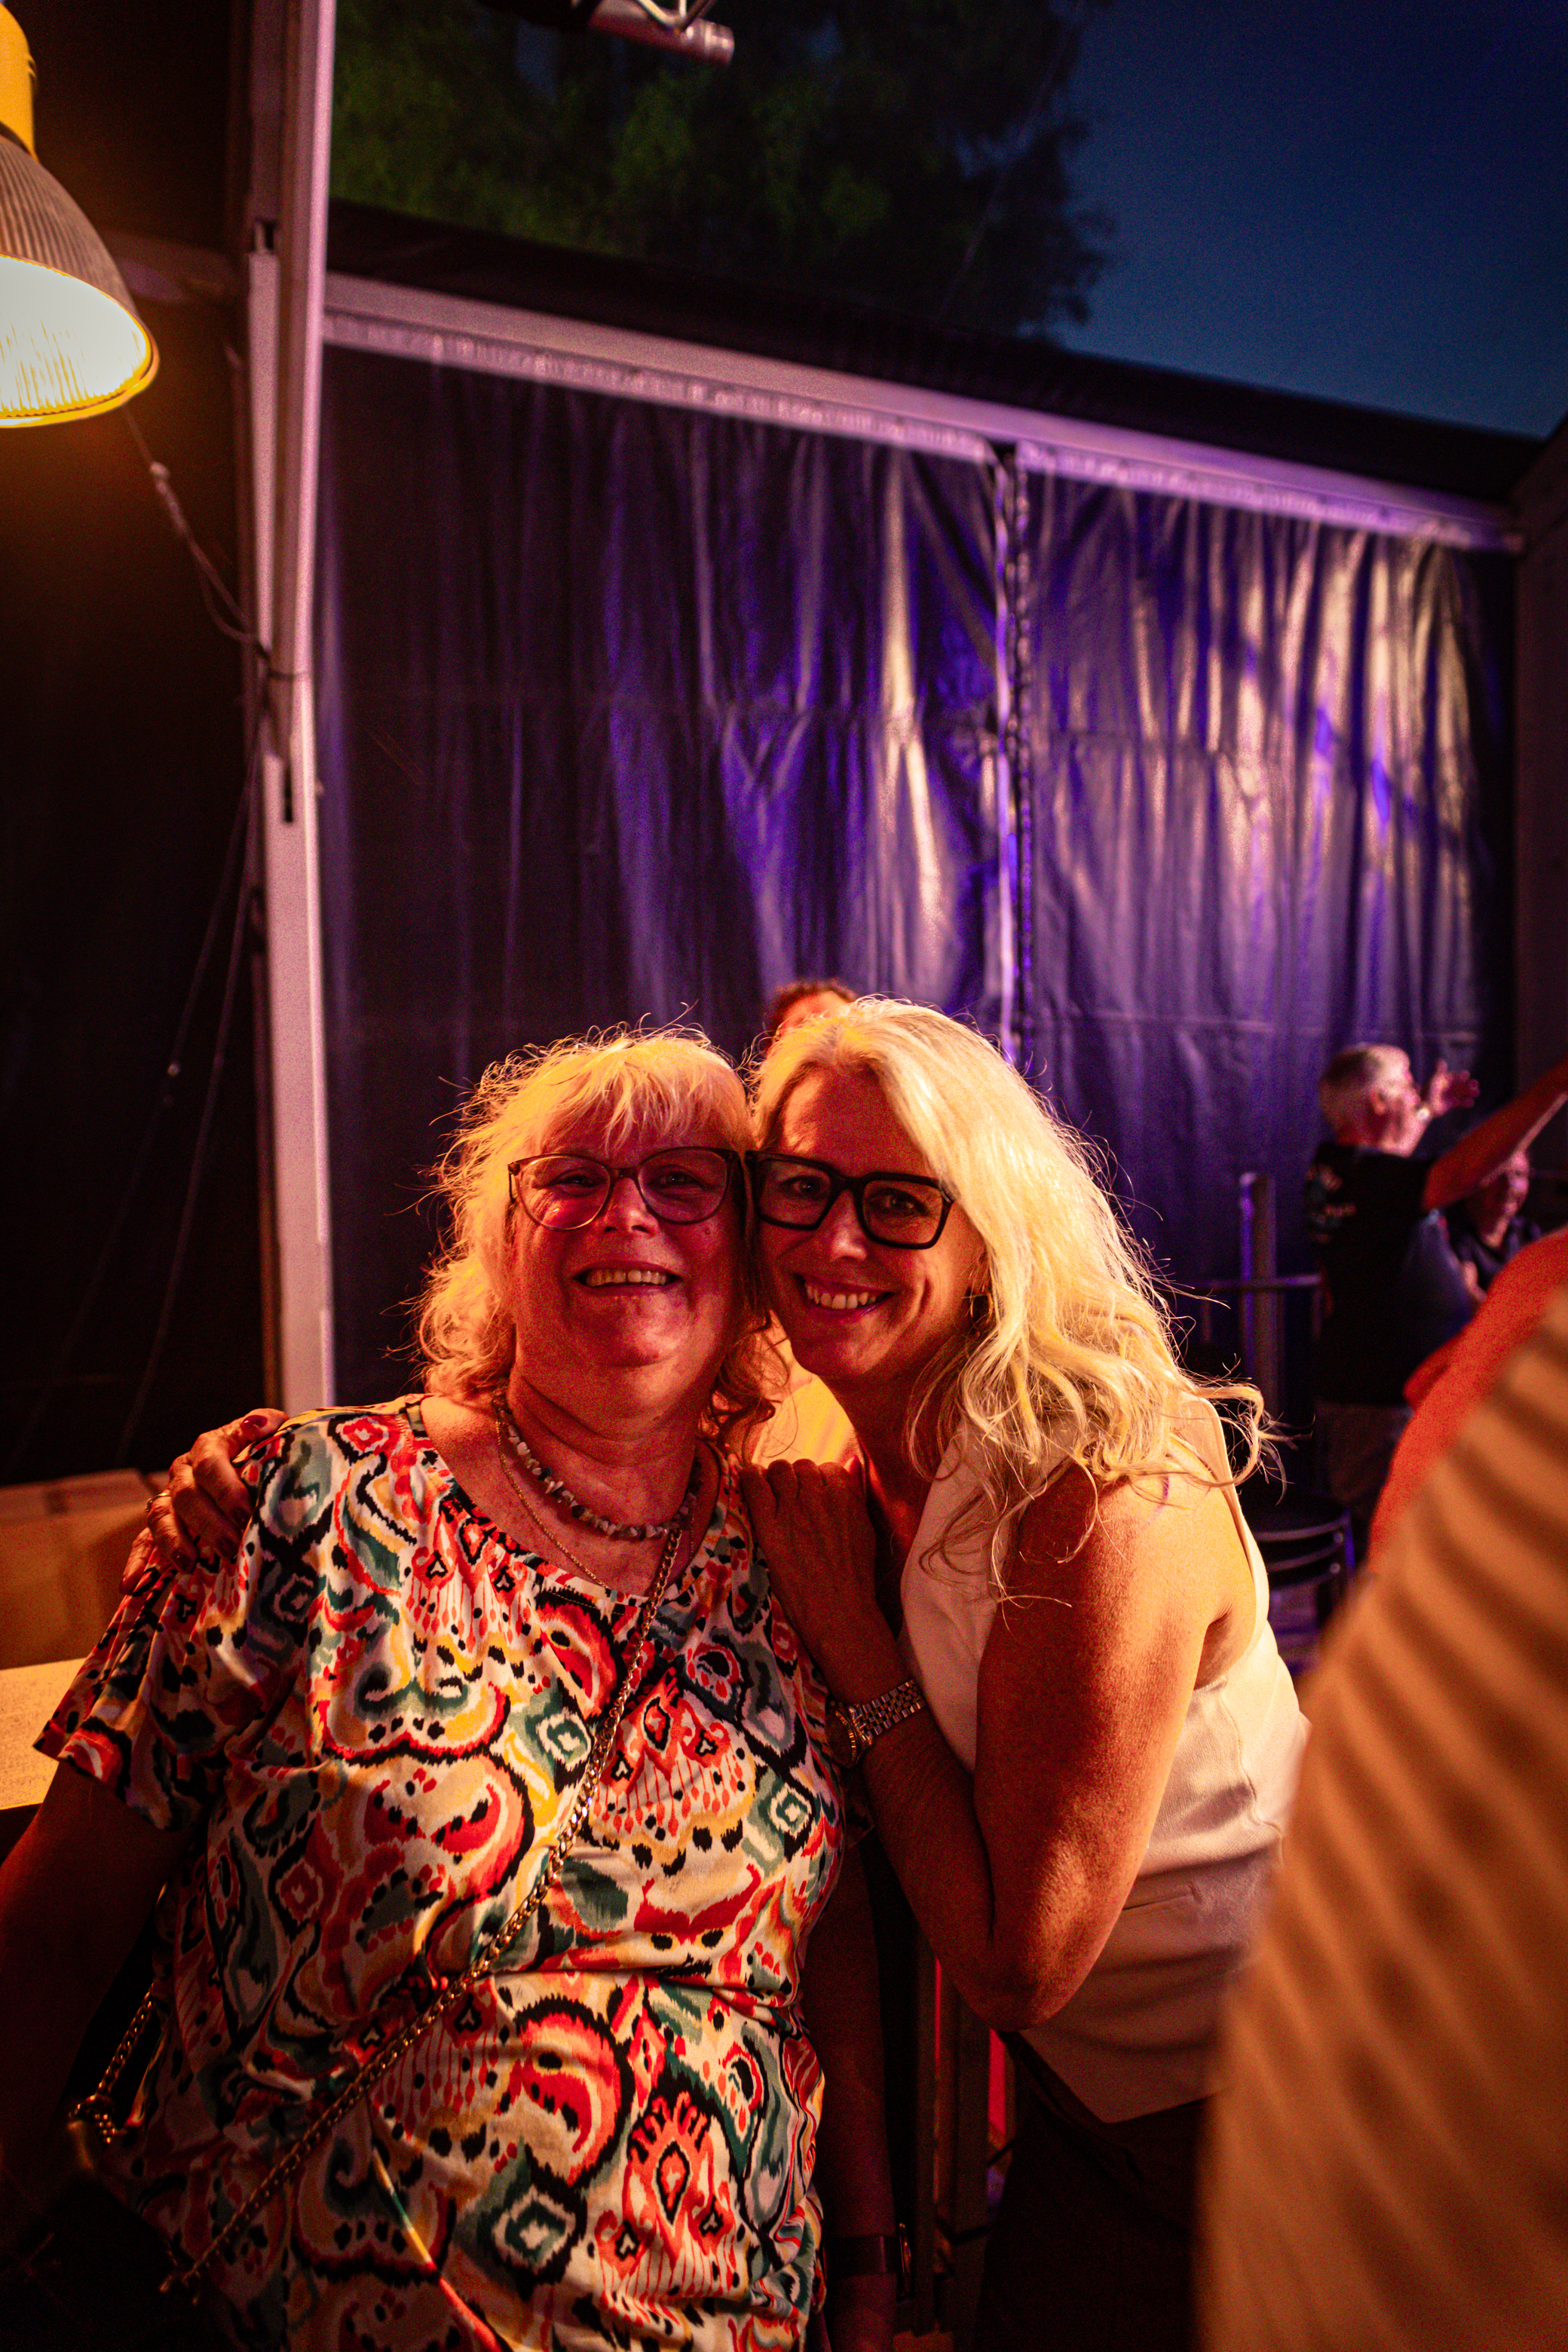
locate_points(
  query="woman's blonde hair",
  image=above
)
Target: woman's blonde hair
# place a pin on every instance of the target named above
(1071, 1358)
(664, 1082)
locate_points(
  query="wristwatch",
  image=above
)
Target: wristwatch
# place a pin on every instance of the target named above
(852, 1729)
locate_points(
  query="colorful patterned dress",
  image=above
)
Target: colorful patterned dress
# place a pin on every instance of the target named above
(369, 1723)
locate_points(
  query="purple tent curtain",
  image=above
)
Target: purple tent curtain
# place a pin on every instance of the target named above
(633, 711)
(1263, 797)
(625, 711)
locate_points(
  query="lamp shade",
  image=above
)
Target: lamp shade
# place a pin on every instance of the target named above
(70, 340)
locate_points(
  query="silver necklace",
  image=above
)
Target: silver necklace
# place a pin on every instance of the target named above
(509, 1435)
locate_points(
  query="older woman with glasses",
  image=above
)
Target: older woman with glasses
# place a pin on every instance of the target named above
(1044, 1624)
(493, 1706)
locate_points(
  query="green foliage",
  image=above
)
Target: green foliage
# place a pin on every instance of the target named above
(911, 153)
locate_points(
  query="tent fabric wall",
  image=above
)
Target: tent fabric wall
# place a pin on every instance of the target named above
(629, 711)
(1262, 779)
(624, 713)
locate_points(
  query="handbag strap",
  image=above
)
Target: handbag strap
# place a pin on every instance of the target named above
(445, 1997)
(96, 2108)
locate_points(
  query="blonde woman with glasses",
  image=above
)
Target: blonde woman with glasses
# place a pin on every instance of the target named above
(1044, 1624)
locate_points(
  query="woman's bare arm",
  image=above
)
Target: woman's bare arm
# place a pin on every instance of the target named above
(1017, 1875)
(852, 2178)
(74, 1893)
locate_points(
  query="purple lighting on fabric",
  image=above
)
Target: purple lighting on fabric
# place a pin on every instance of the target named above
(631, 711)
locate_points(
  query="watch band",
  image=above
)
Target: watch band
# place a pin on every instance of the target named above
(851, 1730)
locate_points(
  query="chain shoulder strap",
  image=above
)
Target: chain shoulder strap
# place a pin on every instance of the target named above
(97, 2108)
(445, 1996)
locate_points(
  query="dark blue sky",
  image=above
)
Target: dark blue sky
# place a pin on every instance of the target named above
(1364, 199)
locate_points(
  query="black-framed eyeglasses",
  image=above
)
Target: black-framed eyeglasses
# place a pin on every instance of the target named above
(899, 1211)
(684, 1185)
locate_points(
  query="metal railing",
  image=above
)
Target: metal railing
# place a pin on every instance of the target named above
(1257, 1295)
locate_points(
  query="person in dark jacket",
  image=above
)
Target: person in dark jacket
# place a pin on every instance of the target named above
(1396, 1291)
(1488, 1227)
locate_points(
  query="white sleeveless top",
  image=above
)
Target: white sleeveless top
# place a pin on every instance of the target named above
(1138, 2034)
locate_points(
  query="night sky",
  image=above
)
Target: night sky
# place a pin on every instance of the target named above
(1363, 199)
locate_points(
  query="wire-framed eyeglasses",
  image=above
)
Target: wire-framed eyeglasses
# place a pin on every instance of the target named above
(684, 1185)
(901, 1212)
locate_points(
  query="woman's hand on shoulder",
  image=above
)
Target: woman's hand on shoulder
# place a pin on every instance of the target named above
(206, 1505)
(813, 1530)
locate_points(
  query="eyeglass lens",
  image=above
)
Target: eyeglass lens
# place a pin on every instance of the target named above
(567, 1189)
(902, 1211)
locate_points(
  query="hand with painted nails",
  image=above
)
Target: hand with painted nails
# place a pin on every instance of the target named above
(203, 1507)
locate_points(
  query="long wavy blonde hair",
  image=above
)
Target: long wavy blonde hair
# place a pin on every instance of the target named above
(664, 1082)
(1073, 1361)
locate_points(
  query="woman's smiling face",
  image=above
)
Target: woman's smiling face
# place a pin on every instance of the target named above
(628, 1297)
(864, 1318)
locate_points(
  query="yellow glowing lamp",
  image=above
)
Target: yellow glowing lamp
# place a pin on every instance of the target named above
(70, 340)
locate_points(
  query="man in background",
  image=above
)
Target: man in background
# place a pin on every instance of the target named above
(1396, 1291)
(1489, 1227)
(1453, 1383)
(802, 1000)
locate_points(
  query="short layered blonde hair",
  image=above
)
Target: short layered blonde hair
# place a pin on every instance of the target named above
(667, 1082)
(1354, 1077)
(1074, 1361)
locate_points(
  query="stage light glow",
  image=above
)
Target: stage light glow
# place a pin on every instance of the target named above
(70, 342)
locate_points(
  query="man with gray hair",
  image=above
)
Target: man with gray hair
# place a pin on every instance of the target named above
(1394, 1289)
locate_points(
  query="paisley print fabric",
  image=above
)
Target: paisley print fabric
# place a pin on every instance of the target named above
(369, 1724)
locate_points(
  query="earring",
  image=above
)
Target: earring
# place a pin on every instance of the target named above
(979, 1308)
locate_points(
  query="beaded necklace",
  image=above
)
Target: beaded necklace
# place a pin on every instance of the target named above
(508, 1434)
